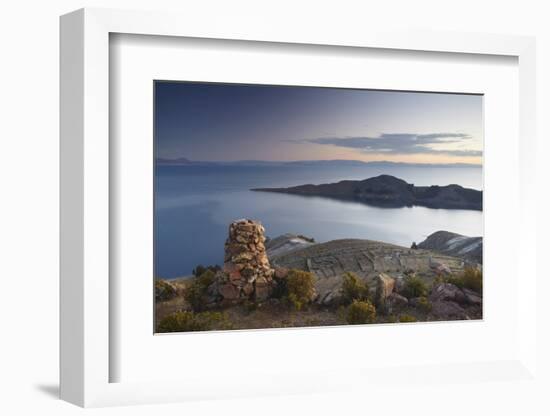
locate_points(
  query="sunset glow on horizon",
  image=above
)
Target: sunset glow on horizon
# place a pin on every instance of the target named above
(231, 122)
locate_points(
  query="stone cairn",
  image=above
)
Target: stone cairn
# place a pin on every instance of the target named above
(247, 273)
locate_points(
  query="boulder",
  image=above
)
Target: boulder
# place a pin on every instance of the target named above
(280, 273)
(447, 292)
(443, 269)
(450, 292)
(471, 297)
(440, 268)
(384, 287)
(328, 298)
(448, 310)
(399, 284)
(395, 302)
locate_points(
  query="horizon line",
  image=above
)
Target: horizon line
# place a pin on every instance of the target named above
(179, 158)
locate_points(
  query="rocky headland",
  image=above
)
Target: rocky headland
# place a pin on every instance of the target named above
(452, 244)
(389, 191)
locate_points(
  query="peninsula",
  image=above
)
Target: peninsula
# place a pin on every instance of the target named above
(392, 192)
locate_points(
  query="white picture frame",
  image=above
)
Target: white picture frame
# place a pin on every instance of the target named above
(85, 204)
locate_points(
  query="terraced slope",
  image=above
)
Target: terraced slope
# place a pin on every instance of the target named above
(367, 258)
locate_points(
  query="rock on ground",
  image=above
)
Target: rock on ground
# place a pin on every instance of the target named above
(395, 302)
(449, 292)
(450, 302)
(384, 287)
(448, 310)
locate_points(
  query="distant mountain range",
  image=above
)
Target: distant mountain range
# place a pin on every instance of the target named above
(177, 161)
(182, 161)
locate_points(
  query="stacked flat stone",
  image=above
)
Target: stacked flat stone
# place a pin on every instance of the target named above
(247, 273)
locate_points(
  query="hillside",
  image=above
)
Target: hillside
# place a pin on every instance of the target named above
(366, 258)
(452, 244)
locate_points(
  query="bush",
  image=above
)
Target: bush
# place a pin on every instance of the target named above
(361, 312)
(423, 304)
(407, 318)
(414, 287)
(353, 288)
(200, 269)
(164, 290)
(300, 286)
(471, 278)
(185, 321)
(196, 293)
(437, 280)
(280, 290)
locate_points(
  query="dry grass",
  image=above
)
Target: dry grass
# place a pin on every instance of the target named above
(278, 315)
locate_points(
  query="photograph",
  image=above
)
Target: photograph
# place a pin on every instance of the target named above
(287, 206)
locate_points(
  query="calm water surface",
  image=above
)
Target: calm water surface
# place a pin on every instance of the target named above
(195, 204)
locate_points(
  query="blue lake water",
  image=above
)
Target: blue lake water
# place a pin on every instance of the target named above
(195, 204)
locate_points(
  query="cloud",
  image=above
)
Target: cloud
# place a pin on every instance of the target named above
(403, 143)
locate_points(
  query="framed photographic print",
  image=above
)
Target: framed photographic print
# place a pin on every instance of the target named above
(259, 201)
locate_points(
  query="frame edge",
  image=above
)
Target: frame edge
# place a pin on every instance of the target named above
(71, 220)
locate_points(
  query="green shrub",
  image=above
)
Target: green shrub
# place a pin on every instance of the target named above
(185, 321)
(361, 312)
(423, 304)
(437, 280)
(407, 318)
(200, 269)
(196, 293)
(353, 289)
(471, 278)
(300, 287)
(164, 290)
(414, 287)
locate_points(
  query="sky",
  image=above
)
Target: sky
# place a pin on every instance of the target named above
(229, 122)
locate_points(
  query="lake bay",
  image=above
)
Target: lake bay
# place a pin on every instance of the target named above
(194, 205)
